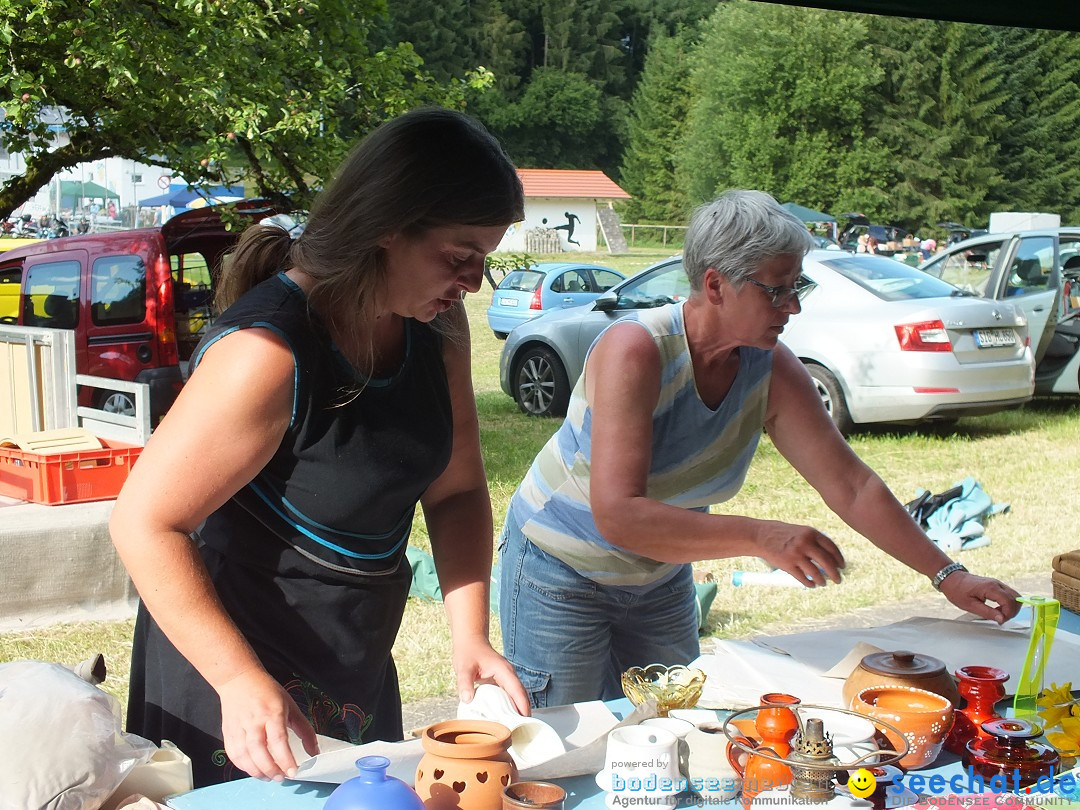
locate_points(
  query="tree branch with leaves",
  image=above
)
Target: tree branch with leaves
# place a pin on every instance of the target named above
(269, 91)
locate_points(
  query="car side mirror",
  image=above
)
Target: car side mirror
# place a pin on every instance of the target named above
(606, 303)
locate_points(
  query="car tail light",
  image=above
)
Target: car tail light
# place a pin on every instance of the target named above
(168, 352)
(919, 390)
(534, 302)
(924, 336)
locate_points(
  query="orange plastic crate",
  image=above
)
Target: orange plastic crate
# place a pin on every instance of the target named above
(75, 477)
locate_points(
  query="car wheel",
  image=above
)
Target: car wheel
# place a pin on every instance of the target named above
(501, 335)
(540, 384)
(832, 397)
(117, 402)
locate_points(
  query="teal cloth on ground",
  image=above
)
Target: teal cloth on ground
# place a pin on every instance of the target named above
(705, 593)
(425, 582)
(959, 524)
(425, 585)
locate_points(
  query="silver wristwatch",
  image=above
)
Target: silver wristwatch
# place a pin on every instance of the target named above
(940, 576)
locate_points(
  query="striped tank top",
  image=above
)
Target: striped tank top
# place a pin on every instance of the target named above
(699, 457)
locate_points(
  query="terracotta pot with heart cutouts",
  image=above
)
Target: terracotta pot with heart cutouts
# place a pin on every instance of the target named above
(466, 765)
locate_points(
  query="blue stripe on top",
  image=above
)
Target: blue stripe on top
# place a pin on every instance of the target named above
(700, 457)
(342, 486)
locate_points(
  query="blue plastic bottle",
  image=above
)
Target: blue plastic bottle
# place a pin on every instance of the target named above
(373, 790)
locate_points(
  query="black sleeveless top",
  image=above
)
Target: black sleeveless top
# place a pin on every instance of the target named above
(307, 558)
(342, 488)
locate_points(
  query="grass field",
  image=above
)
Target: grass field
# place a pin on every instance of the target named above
(1025, 458)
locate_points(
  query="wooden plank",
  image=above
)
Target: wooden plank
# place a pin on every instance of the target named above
(612, 230)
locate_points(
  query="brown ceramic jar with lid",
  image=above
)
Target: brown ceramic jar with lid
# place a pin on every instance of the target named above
(901, 668)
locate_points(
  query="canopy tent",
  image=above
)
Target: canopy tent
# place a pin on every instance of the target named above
(72, 192)
(807, 214)
(180, 196)
(810, 216)
(86, 189)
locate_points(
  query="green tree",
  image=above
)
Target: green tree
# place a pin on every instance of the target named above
(584, 37)
(561, 121)
(573, 80)
(600, 40)
(439, 32)
(942, 120)
(1040, 147)
(657, 118)
(780, 103)
(645, 19)
(501, 45)
(216, 90)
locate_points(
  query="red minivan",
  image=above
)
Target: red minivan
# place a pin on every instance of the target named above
(138, 300)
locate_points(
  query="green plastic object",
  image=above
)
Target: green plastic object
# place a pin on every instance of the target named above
(1044, 619)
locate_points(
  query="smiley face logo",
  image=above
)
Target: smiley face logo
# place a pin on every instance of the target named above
(861, 783)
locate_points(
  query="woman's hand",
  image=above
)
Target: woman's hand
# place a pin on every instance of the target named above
(256, 713)
(983, 596)
(475, 661)
(802, 551)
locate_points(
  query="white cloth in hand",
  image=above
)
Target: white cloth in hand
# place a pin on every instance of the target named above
(532, 741)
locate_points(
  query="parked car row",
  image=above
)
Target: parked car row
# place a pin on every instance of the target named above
(882, 341)
(858, 225)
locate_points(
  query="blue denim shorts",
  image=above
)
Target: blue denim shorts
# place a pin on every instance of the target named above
(570, 638)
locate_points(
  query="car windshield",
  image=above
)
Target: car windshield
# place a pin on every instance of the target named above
(521, 281)
(889, 279)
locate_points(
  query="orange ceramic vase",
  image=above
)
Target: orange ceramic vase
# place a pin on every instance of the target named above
(776, 726)
(466, 765)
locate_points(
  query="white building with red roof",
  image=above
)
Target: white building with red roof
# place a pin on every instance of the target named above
(560, 210)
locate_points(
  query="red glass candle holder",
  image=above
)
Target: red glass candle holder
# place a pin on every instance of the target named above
(1010, 751)
(981, 688)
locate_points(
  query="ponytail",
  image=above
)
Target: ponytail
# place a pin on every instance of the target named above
(263, 250)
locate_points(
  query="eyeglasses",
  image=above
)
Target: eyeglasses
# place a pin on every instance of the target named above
(782, 296)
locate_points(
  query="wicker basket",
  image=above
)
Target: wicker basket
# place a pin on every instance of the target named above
(1065, 579)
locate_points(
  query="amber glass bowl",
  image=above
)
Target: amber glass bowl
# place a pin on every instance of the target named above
(674, 687)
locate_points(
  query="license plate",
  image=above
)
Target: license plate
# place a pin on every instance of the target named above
(993, 338)
(508, 302)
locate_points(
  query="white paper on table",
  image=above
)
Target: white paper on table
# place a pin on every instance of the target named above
(580, 725)
(336, 760)
(957, 642)
(850, 662)
(738, 673)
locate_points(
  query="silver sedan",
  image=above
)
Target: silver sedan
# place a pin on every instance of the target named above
(883, 342)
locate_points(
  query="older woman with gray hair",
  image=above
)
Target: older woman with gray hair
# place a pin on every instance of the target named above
(662, 424)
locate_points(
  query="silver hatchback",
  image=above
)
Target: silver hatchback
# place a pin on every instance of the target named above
(882, 341)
